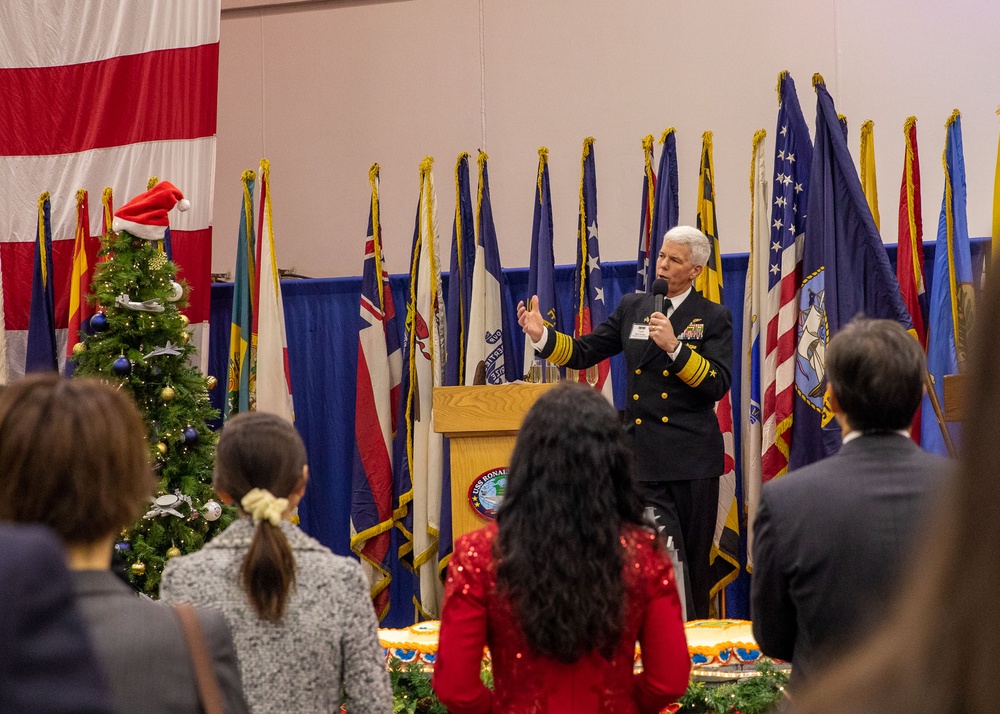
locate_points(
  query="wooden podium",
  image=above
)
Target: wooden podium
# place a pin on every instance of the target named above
(482, 422)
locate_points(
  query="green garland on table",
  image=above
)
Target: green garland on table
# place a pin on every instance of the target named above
(412, 692)
(754, 695)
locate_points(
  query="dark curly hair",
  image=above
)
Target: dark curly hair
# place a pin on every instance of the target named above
(570, 489)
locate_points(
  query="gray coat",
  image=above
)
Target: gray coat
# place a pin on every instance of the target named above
(141, 647)
(326, 640)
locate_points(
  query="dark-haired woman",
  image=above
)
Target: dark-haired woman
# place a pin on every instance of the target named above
(566, 581)
(74, 457)
(301, 617)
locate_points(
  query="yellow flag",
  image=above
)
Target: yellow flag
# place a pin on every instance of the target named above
(868, 169)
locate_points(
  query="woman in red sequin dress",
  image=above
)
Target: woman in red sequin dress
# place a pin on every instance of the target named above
(566, 581)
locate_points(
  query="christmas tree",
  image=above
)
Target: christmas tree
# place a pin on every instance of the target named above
(139, 339)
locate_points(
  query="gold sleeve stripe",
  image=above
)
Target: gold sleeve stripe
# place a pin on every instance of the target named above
(695, 370)
(563, 349)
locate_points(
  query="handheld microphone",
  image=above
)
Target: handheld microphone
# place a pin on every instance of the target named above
(659, 292)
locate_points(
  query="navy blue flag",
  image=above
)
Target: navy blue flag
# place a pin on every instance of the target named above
(666, 212)
(646, 217)
(463, 257)
(41, 355)
(845, 271)
(541, 270)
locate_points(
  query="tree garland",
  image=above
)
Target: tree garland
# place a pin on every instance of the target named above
(412, 692)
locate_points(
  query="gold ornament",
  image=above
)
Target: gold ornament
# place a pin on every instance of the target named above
(185, 321)
(79, 348)
(173, 551)
(162, 447)
(138, 568)
(186, 336)
(167, 394)
(158, 261)
(211, 381)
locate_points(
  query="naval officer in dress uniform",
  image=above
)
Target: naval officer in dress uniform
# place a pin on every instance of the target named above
(678, 364)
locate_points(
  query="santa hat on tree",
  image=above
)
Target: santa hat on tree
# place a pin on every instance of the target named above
(145, 216)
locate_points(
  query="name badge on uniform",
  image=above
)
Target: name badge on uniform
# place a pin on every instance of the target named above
(639, 332)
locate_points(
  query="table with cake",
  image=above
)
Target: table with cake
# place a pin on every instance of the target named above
(719, 649)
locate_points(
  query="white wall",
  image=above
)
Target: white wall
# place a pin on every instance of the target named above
(325, 89)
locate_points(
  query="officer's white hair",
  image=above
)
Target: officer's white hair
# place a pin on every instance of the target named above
(695, 240)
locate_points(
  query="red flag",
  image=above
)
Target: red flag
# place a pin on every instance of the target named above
(910, 255)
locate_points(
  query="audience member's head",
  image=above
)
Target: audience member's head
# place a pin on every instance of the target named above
(74, 457)
(936, 652)
(569, 490)
(260, 465)
(875, 372)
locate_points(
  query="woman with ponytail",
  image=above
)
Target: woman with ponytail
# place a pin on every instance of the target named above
(565, 582)
(301, 617)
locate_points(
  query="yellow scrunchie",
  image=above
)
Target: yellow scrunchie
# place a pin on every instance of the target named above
(263, 506)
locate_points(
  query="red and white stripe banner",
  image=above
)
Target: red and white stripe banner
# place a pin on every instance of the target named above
(104, 93)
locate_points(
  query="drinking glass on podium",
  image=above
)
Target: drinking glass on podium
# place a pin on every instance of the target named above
(535, 371)
(592, 375)
(551, 373)
(572, 375)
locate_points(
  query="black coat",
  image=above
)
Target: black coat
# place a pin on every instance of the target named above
(831, 542)
(669, 404)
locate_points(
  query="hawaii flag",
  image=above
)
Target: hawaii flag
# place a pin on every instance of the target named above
(379, 364)
(273, 377)
(419, 509)
(724, 557)
(104, 93)
(754, 295)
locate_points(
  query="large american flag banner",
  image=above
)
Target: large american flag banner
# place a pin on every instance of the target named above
(591, 308)
(779, 310)
(104, 93)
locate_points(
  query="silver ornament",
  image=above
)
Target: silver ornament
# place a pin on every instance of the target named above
(212, 510)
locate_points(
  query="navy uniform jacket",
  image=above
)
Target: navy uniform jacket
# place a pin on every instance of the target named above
(669, 404)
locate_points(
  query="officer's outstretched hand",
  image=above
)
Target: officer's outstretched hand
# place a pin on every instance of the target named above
(530, 319)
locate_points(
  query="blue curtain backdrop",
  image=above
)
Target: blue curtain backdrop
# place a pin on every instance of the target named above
(321, 317)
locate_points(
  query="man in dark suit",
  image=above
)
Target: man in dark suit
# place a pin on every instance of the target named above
(831, 540)
(47, 663)
(678, 366)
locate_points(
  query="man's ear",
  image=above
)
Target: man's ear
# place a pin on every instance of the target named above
(831, 397)
(698, 269)
(300, 489)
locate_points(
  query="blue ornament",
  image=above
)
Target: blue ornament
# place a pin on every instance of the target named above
(99, 322)
(123, 545)
(190, 436)
(122, 367)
